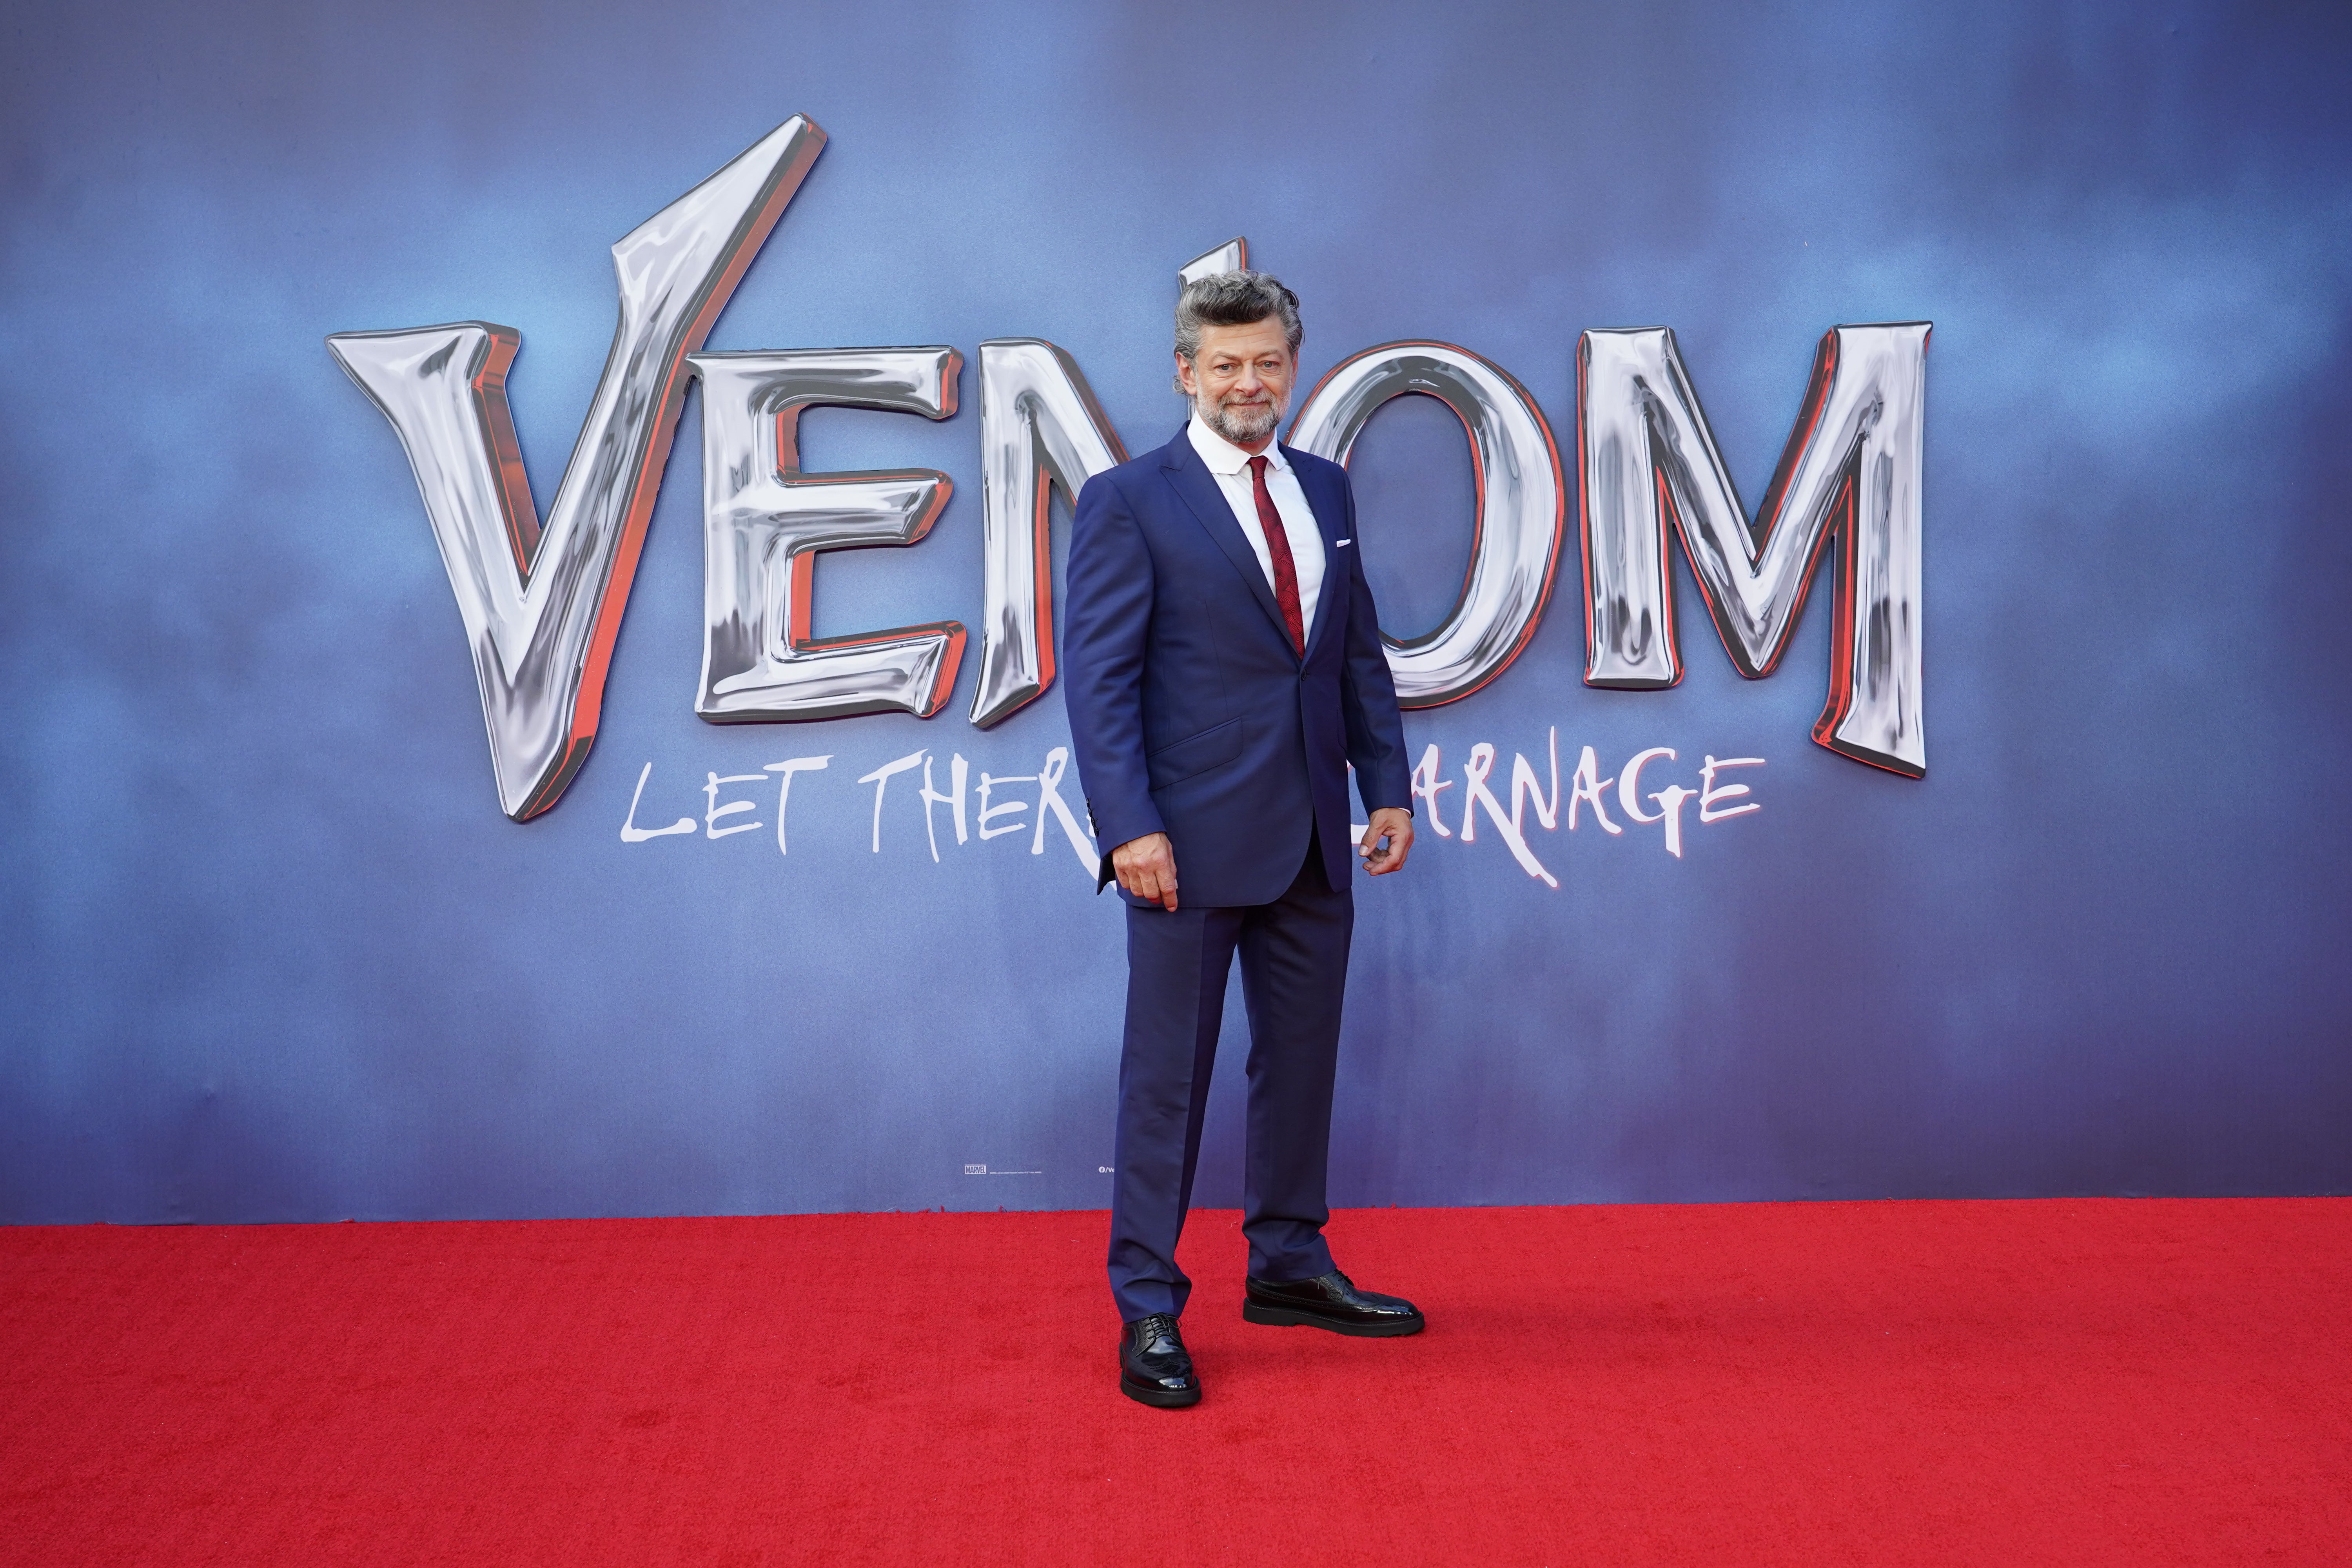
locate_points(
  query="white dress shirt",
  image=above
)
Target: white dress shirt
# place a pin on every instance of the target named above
(1230, 465)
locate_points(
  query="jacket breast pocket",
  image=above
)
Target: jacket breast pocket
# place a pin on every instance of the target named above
(1211, 748)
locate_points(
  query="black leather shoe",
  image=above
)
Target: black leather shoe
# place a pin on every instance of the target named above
(1154, 1367)
(1331, 1302)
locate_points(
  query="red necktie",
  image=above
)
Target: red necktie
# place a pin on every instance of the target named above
(1277, 545)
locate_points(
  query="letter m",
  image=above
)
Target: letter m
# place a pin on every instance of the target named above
(1851, 472)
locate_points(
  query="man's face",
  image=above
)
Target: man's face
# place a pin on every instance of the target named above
(1240, 380)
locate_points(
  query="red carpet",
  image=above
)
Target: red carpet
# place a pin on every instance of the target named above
(2074, 1382)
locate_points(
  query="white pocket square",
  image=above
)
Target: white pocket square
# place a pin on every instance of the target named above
(1343, 544)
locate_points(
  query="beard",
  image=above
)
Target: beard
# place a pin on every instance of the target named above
(1244, 423)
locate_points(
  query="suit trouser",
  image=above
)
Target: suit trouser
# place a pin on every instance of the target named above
(1294, 954)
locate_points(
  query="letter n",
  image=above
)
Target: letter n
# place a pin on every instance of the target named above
(1040, 427)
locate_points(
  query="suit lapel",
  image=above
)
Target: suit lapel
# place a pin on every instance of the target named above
(1324, 501)
(1198, 487)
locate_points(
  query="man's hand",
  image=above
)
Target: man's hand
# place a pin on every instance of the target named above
(1395, 824)
(1146, 866)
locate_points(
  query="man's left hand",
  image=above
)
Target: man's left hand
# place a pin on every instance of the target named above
(1394, 825)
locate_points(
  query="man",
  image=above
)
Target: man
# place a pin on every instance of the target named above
(1224, 670)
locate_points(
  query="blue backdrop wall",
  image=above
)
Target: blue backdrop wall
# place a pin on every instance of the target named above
(271, 952)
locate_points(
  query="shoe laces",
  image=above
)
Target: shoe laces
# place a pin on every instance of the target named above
(1159, 1325)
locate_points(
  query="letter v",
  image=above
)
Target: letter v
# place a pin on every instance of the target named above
(543, 606)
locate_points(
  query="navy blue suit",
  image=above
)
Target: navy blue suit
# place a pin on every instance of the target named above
(1192, 714)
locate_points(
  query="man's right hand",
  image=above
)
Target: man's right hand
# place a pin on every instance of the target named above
(1146, 866)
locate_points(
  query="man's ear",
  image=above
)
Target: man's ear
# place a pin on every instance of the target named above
(1184, 375)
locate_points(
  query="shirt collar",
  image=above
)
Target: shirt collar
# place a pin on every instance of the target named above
(1222, 456)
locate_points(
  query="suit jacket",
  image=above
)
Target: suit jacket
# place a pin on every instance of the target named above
(1190, 712)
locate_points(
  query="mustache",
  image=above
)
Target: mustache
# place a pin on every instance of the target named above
(1247, 403)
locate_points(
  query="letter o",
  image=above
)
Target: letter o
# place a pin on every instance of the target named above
(1522, 504)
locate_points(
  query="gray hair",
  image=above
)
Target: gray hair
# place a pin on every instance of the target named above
(1233, 300)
